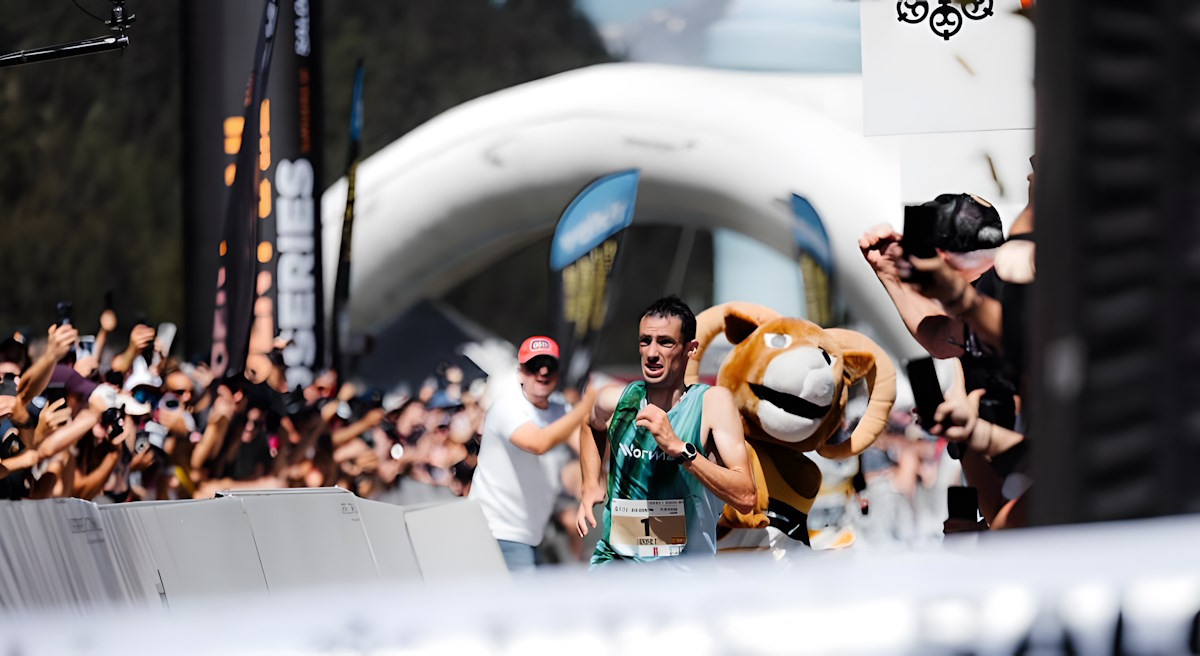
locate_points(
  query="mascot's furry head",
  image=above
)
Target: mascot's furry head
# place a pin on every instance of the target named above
(791, 379)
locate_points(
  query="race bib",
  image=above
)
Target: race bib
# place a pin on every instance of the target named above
(648, 528)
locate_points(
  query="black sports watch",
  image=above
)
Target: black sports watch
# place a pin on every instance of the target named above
(689, 453)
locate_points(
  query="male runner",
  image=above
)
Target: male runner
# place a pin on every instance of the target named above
(676, 454)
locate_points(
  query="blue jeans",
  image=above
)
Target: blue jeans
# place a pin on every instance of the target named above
(517, 555)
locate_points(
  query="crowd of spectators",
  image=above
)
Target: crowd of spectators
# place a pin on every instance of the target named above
(80, 419)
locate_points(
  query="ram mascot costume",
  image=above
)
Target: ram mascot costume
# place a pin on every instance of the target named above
(791, 379)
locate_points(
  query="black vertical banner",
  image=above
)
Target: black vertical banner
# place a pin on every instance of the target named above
(340, 327)
(286, 289)
(236, 268)
(298, 291)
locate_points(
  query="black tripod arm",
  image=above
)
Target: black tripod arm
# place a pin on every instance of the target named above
(64, 50)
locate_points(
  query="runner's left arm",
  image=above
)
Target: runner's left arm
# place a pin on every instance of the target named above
(733, 482)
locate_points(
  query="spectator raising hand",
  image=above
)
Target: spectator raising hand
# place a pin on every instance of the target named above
(60, 340)
(139, 339)
(53, 417)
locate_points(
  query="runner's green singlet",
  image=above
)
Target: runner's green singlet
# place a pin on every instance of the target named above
(655, 508)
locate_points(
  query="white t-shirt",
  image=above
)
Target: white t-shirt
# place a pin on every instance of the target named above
(516, 488)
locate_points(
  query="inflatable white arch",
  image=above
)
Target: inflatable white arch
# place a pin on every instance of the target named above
(716, 149)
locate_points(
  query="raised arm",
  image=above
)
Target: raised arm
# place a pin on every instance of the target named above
(139, 338)
(958, 299)
(933, 329)
(529, 437)
(59, 341)
(69, 434)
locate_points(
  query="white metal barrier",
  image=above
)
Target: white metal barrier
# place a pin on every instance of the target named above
(68, 552)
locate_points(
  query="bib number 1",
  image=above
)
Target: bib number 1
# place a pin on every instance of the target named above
(648, 528)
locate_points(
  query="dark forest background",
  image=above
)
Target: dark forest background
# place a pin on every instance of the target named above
(91, 148)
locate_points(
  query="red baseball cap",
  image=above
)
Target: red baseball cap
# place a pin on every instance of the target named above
(535, 346)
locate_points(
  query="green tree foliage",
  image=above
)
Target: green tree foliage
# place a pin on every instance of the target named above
(89, 168)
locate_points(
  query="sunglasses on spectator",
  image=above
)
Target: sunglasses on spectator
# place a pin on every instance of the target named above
(535, 365)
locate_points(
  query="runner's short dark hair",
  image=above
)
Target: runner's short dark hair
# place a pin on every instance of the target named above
(673, 306)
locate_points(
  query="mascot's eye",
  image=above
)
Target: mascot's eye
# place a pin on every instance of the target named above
(828, 360)
(777, 340)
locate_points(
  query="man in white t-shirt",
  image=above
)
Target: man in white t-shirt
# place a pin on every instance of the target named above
(515, 483)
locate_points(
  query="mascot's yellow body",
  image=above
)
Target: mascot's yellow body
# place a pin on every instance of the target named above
(790, 380)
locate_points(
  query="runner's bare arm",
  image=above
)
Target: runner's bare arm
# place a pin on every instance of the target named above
(732, 480)
(592, 455)
(591, 439)
(606, 404)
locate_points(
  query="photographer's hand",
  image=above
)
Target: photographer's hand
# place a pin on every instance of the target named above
(203, 377)
(880, 245)
(87, 366)
(53, 417)
(59, 340)
(139, 338)
(956, 418)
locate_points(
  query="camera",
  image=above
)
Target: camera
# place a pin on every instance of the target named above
(53, 392)
(113, 420)
(8, 385)
(920, 224)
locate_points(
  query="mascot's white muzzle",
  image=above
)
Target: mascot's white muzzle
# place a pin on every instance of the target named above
(796, 392)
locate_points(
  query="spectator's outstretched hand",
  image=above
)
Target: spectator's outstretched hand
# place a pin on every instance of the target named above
(881, 247)
(60, 340)
(203, 376)
(140, 337)
(955, 418)
(87, 366)
(108, 321)
(52, 417)
(223, 407)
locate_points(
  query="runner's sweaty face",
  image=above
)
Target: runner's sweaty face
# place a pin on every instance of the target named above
(664, 353)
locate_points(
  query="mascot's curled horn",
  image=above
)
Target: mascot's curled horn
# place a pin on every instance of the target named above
(790, 380)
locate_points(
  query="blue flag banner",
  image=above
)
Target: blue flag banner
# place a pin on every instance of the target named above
(816, 261)
(584, 254)
(809, 232)
(600, 211)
